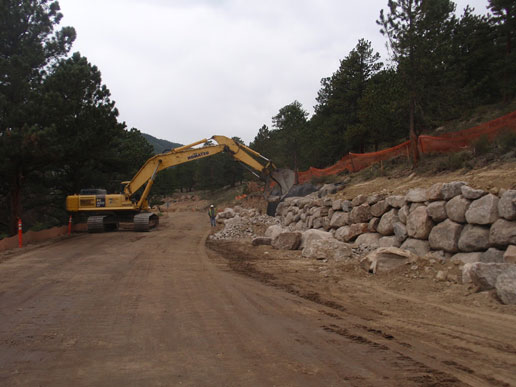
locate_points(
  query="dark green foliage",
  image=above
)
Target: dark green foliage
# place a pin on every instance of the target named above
(58, 126)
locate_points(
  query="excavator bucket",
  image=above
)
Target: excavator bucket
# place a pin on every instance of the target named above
(285, 178)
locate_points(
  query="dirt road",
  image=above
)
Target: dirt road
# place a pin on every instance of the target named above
(154, 309)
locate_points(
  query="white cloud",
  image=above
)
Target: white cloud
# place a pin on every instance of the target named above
(186, 69)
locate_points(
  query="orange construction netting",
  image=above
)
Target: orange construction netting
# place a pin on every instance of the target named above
(449, 142)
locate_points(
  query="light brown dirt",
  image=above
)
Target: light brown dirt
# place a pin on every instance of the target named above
(120, 309)
(495, 176)
(157, 308)
(443, 326)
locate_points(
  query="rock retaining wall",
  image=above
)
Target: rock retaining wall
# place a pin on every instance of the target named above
(453, 219)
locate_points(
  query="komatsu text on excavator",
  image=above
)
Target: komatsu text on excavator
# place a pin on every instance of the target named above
(106, 211)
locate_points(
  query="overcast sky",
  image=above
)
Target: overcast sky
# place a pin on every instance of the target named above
(183, 70)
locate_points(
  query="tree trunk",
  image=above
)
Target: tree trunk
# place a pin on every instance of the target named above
(413, 136)
(15, 203)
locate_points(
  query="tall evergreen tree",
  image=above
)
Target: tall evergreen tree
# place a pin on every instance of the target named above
(338, 100)
(29, 44)
(418, 32)
(504, 12)
(291, 124)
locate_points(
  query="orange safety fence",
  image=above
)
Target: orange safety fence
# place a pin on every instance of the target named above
(449, 142)
(456, 141)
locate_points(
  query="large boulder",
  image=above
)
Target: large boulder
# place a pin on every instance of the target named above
(385, 259)
(379, 208)
(339, 219)
(361, 214)
(287, 241)
(419, 224)
(359, 200)
(416, 246)
(493, 255)
(474, 238)
(506, 286)
(437, 211)
(388, 241)
(450, 190)
(346, 205)
(386, 225)
(336, 205)
(327, 249)
(483, 210)
(396, 201)
(273, 231)
(375, 198)
(400, 231)
(341, 233)
(373, 225)
(507, 205)
(484, 275)
(445, 236)
(471, 193)
(510, 254)
(434, 192)
(368, 239)
(456, 209)
(349, 233)
(403, 214)
(327, 189)
(310, 235)
(503, 233)
(416, 195)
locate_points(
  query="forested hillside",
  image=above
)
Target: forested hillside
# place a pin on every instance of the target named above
(442, 67)
(59, 127)
(159, 145)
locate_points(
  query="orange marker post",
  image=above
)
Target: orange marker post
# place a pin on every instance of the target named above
(70, 225)
(20, 235)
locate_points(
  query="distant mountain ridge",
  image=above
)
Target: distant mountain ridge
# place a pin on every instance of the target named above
(160, 145)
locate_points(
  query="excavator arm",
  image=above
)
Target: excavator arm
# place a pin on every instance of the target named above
(147, 173)
(106, 211)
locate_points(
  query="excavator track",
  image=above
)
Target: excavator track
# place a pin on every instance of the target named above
(102, 223)
(145, 221)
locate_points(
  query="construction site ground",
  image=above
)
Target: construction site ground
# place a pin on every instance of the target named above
(168, 308)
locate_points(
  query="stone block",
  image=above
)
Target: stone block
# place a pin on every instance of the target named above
(419, 224)
(386, 225)
(507, 205)
(474, 238)
(503, 233)
(437, 211)
(456, 209)
(483, 210)
(445, 236)
(416, 246)
(287, 241)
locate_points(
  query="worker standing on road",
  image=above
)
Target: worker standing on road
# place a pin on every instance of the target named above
(212, 212)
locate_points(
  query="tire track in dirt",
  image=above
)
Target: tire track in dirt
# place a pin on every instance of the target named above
(437, 346)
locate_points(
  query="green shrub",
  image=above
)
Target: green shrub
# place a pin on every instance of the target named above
(459, 160)
(481, 146)
(506, 141)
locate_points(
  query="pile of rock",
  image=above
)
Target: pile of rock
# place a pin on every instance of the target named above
(239, 223)
(451, 221)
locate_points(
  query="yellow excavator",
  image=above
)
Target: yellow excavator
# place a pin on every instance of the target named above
(106, 211)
